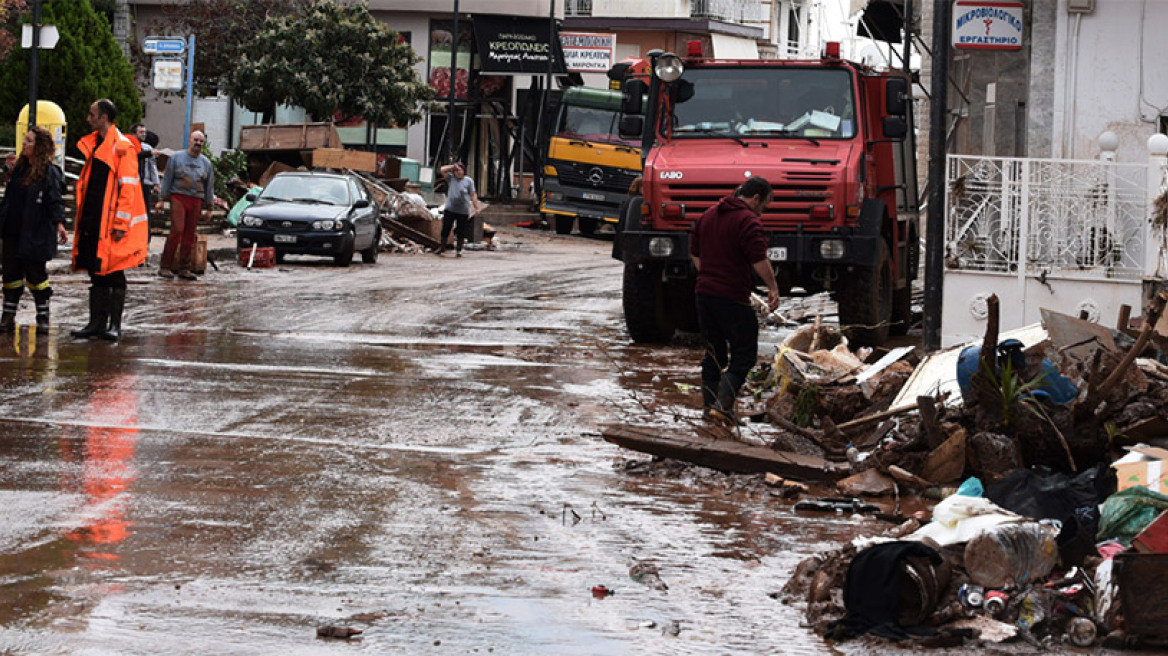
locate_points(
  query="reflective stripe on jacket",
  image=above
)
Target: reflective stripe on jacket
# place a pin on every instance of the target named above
(123, 207)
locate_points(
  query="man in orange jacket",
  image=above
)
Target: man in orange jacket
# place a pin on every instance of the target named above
(111, 231)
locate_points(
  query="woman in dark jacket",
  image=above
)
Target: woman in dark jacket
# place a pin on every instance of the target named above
(32, 223)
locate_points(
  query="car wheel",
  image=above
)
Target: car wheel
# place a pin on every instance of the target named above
(345, 257)
(369, 255)
(280, 256)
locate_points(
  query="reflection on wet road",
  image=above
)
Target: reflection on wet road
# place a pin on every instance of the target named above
(408, 448)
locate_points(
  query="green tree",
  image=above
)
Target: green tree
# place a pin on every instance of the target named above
(9, 11)
(331, 59)
(210, 21)
(86, 64)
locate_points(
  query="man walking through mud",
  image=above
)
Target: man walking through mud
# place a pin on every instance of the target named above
(728, 247)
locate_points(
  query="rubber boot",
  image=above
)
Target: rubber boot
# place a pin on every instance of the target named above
(727, 396)
(11, 302)
(116, 305)
(41, 297)
(99, 303)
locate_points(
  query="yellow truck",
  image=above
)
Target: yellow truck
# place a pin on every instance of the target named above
(589, 166)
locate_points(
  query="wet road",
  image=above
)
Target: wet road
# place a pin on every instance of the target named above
(408, 448)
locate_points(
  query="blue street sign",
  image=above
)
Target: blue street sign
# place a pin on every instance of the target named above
(164, 45)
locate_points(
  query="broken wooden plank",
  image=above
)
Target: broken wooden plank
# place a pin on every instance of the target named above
(402, 230)
(724, 455)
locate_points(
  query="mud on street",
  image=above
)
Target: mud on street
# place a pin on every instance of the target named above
(409, 449)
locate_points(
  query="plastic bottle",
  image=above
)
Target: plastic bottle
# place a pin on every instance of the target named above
(1011, 554)
(854, 458)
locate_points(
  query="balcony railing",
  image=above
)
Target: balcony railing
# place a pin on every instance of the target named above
(578, 8)
(730, 11)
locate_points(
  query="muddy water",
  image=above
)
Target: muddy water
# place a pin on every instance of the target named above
(410, 449)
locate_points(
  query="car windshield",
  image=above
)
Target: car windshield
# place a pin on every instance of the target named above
(590, 124)
(812, 103)
(307, 189)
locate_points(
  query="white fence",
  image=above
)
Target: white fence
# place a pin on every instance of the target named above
(1068, 235)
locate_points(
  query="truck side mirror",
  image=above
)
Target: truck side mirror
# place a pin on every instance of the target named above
(896, 96)
(895, 127)
(631, 127)
(632, 96)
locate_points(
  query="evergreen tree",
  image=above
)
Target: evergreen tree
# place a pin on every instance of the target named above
(86, 64)
(331, 59)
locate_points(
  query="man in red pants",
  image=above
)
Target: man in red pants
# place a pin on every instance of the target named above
(189, 183)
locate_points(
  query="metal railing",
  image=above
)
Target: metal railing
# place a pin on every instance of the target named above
(1047, 218)
(731, 11)
(578, 7)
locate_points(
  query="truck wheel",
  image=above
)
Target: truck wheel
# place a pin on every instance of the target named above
(587, 226)
(901, 310)
(865, 303)
(564, 224)
(643, 300)
(683, 304)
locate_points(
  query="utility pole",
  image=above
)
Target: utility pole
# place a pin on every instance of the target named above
(34, 64)
(938, 138)
(447, 147)
(540, 125)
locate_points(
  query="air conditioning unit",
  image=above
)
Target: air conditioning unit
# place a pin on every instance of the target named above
(1080, 6)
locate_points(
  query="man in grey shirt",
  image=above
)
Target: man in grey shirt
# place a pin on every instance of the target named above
(461, 203)
(189, 183)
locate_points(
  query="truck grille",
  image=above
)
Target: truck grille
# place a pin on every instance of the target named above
(793, 198)
(590, 176)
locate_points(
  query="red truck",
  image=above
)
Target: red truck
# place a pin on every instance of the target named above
(834, 138)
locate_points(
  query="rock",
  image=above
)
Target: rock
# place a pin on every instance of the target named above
(992, 455)
(869, 482)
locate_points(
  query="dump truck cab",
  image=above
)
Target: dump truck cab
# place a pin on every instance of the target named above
(589, 165)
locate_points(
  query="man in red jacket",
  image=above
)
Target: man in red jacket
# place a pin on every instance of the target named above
(728, 247)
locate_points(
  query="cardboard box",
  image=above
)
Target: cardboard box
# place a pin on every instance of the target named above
(199, 255)
(1154, 537)
(1143, 465)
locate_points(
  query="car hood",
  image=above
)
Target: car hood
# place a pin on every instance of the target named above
(288, 211)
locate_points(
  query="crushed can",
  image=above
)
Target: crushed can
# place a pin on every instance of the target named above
(970, 595)
(995, 602)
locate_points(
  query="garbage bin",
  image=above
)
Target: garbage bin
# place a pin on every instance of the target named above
(51, 117)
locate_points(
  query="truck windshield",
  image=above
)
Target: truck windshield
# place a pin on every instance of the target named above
(590, 124)
(815, 103)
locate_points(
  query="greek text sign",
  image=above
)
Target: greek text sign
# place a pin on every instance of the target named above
(979, 25)
(586, 52)
(517, 45)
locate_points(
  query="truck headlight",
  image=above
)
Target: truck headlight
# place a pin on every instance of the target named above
(669, 67)
(831, 249)
(252, 221)
(661, 247)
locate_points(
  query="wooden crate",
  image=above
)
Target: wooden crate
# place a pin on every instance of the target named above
(290, 136)
(339, 158)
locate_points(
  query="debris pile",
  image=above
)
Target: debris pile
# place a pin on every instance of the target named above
(1057, 436)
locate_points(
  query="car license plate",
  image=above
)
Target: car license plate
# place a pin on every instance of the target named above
(285, 239)
(777, 253)
(592, 196)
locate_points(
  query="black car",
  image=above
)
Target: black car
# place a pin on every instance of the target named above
(309, 213)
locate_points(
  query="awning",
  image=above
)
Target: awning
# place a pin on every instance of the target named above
(733, 47)
(508, 44)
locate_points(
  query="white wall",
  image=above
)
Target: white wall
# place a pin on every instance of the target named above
(1119, 49)
(646, 8)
